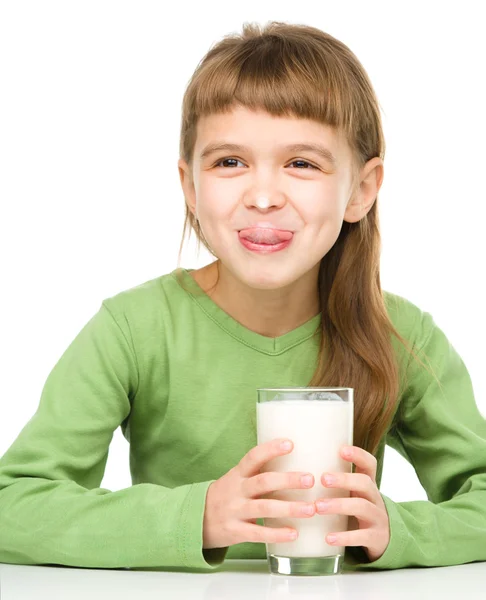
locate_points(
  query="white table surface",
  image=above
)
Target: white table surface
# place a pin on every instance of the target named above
(238, 580)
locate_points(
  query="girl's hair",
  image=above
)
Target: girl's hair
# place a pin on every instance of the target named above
(299, 70)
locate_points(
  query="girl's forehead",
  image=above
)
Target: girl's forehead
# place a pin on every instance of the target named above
(264, 124)
(242, 126)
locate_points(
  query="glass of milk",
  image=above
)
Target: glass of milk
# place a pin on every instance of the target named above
(319, 421)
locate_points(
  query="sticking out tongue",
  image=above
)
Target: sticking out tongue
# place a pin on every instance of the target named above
(259, 235)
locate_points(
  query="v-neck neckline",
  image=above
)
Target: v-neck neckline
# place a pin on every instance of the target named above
(268, 345)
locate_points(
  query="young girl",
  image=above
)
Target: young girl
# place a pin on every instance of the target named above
(281, 162)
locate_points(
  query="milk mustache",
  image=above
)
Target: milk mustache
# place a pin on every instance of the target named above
(318, 429)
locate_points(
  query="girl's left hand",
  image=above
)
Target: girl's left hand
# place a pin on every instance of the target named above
(366, 504)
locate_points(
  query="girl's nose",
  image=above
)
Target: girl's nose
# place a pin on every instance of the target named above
(262, 202)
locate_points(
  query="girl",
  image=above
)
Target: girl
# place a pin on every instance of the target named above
(281, 162)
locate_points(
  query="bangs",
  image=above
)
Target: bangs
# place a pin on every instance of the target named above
(276, 76)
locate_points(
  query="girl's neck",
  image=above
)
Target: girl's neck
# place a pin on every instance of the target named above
(271, 313)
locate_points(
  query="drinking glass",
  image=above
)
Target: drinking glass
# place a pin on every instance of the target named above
(319, 421)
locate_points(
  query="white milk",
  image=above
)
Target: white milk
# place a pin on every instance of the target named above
(318, 429)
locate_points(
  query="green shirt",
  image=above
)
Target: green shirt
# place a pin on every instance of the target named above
(179, 375)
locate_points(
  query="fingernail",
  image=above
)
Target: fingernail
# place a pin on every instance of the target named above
(307, 480)
(331, 539)
(329, 479)
(308, 510)
(347, 452)
(286, 445)
(322, 504)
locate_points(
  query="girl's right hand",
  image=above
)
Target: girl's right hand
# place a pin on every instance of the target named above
(233, 503)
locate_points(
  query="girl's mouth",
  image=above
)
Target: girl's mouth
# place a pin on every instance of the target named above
(264, 248)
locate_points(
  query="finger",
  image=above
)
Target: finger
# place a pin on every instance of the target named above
(365, 462)
(358, 507)
(259, 455)
(359, 483)
(265, 508)
(358, 537)
(263, 483)
(268, 535)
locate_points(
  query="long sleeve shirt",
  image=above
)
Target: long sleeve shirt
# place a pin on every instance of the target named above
(179, 376)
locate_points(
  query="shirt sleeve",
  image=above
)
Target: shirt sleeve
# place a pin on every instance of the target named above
(443, 435)
(52, 510)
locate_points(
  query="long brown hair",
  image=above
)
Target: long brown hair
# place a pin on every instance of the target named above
(299, 70)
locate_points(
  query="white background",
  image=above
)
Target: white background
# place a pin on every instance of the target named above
(91, 202)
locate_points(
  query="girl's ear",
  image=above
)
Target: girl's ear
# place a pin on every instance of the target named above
(364, 196)
(187, 183)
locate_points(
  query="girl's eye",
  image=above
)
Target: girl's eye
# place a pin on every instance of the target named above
(226, 160)
(304, 162)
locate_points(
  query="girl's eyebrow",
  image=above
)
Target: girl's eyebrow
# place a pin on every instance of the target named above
(322, 151)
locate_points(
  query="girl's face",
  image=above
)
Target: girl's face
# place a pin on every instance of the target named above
(306, 192)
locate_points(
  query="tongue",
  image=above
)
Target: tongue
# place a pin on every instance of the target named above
(260, 235)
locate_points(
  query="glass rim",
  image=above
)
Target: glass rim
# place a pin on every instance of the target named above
(293, 389)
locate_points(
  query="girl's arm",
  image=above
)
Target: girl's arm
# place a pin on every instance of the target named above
(443, 435)
(52, 510)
